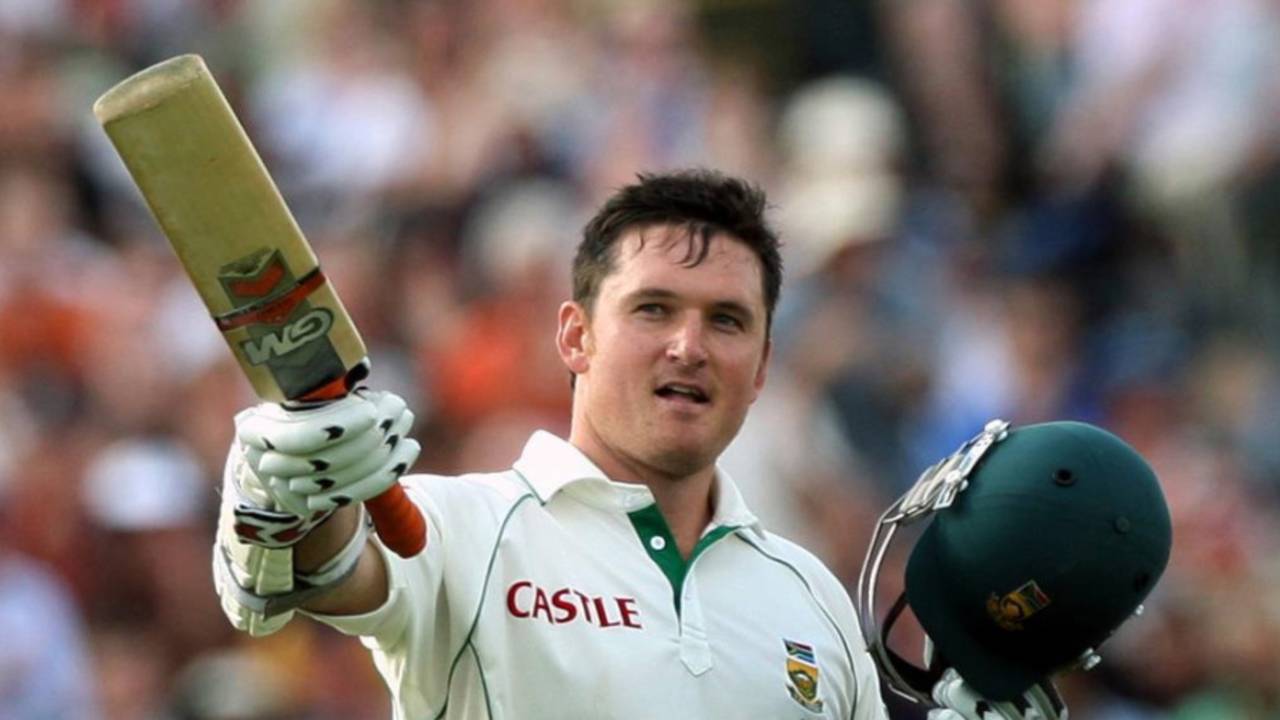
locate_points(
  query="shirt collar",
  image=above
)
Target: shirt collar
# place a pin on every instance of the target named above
(550, 464)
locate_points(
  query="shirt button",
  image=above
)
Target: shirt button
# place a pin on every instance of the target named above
(657, 542)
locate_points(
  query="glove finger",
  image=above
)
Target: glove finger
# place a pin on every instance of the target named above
(303, 432)
(346, 454)
(274, 464)
(400, 424)
(393, 446)
(370, 486)
(389, 405)
(394, 421)
(252, 455)
(244, 482)
(309, 431)
(396, 424)
(370, 483)
(1046, 701)
(334, 481)
(1009, 711)
(403, 456)
(286, 499)
(331, 459)
(952, 692)
(341, 455)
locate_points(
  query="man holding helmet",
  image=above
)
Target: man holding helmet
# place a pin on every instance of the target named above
(1044, 539)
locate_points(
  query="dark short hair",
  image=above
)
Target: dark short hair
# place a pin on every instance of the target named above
(703, 202)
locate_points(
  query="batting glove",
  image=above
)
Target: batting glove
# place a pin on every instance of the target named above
(318, 459)
(959, 701)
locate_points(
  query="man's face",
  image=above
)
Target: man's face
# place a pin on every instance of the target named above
(671, 356)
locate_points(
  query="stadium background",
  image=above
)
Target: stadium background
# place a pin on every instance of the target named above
(1030, 209)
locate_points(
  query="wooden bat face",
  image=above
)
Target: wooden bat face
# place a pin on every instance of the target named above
(287, 334)
(211, 194)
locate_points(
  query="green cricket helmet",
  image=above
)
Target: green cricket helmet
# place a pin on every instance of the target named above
(1044, 539)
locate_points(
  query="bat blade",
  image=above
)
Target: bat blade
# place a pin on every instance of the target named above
(226, 220)
(212, 196)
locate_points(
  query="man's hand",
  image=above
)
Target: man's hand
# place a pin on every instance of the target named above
(312, 461)
(288, 472)
(959, 701)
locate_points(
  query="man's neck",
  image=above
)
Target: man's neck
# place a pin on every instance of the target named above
(687, 502)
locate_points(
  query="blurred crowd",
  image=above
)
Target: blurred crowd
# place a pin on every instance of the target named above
(1028, 209)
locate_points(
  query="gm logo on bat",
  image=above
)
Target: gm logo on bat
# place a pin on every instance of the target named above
(312, 326)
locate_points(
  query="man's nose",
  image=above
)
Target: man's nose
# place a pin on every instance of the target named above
(687, 346)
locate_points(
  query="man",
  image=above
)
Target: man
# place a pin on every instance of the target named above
(618, 574)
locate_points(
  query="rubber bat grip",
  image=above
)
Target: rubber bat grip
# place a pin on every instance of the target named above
(398, 521)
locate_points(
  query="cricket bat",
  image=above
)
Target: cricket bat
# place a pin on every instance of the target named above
(226, 220)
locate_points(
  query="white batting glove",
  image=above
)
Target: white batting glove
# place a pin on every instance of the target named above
(316, 460)
(959, 701)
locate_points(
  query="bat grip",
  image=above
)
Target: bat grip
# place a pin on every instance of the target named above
(398, 521)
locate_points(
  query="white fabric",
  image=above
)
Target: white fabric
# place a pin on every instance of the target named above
(959, 701)
(537, 598)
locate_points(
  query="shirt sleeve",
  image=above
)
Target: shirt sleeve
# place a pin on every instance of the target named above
(416, 590)
(432, 598)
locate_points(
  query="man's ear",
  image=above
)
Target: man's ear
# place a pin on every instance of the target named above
(573, 339)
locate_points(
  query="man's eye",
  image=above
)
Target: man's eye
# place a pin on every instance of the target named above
(728, 321)
(651, 309)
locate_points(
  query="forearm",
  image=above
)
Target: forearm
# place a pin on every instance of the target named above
(365, 589)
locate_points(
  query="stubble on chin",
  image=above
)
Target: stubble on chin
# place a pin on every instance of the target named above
(677, 460)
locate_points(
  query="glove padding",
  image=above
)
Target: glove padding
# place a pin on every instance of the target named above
(261, 570)
(252, 509)
(314, 460)
(959, 701)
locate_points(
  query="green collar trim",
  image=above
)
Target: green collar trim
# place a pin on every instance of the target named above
(657, 540)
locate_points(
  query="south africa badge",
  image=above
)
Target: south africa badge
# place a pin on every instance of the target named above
(802, 676)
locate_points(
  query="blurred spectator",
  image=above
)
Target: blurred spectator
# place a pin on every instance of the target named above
(44, 664)
(502, 359)
(374, 121)
(230, 685)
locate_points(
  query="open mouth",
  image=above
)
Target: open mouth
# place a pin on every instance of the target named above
(682, 391)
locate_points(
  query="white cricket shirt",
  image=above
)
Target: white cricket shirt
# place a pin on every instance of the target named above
(547, 591)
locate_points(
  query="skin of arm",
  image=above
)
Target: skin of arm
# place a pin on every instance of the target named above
(365, 589)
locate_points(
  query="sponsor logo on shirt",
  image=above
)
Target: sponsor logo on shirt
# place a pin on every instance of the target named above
(802, 675)
(561, 606)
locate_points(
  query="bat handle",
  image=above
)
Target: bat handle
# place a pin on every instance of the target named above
(398, 521)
